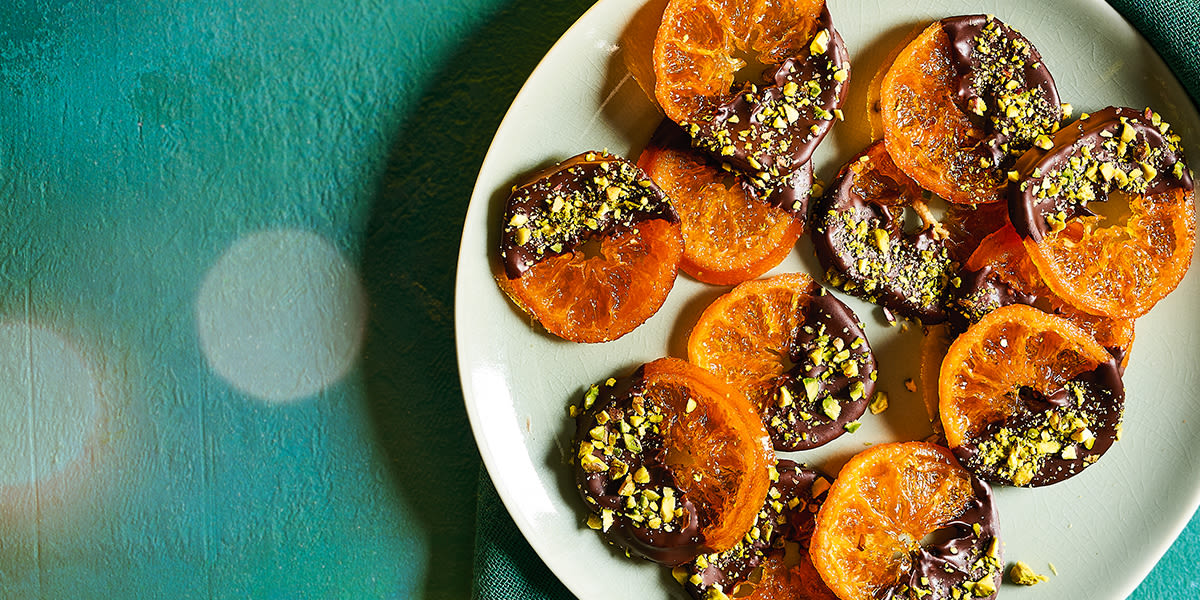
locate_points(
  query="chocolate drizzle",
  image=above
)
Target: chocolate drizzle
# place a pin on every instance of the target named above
(770, 132)
(1050, 435)
(831, 380)
(1117, 148)
(1003, 85)
(859, 238)
(589, 196)
(966, 550)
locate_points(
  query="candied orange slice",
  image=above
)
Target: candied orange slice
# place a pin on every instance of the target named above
(1122, 264)
(1028, 398)
(702, 44)
(799, 354)
(875, 88)
(961, 102)
(768, 128)
(870, 538)
(590, 247)
(934, 344)
(1000, 272)
(860, 237)
(771, 562)
(671, 461)
(730, 235)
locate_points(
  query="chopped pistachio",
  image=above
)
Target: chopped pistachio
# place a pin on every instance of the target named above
(879, 403)
(820, 42)
(523, 235)
(627, 488)
(831, 407)
(641, 475)
(785, 397)
(812, 387)
(1021, 574)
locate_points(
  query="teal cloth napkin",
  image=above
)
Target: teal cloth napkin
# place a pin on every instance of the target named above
(506, 567)
(1173, 28)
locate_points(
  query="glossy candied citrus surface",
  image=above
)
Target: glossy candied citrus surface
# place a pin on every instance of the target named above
(600, 298)
(1122, 268)
(875, 88)
(882, 504)
(729, 235)
(716, 445)
(788, 577)
(1006, 256)
(1012, 347)
(934, 345)
(745, 335)
(923, 127)
(876, 178)
(702, 44)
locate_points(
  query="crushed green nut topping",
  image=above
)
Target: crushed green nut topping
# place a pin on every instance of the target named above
(1022, 574)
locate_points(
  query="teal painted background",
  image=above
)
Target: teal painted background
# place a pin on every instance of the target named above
(184, 182)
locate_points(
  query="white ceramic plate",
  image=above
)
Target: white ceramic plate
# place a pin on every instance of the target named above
(1103, 530)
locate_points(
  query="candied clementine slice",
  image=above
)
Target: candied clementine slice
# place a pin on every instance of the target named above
(1122, 264)
(1028, 398)
(730, 235)
(767, 128)
(671, 461)
(799, 354)
(860, 237)
(934, 344)
(961, 102)
(590, 247)
(1000, 272)
(871, 534)
(771, 561)
(702, 44)
(875, 88)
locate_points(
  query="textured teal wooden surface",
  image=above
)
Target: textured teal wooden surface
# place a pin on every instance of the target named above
(164, 162)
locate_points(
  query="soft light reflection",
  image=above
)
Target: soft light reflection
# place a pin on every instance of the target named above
(503, 440)
(51, 419)
(281, 315)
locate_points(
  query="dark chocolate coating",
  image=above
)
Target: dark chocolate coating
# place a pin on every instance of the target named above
(560, 207)
(984, 79)
(777, 523)
(788, 193)
(746, 130)
(1100, 403)
(1088, 145)
(956, 558)
(684, 540)
(978, 293)
(910, 278)
(802, 423)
